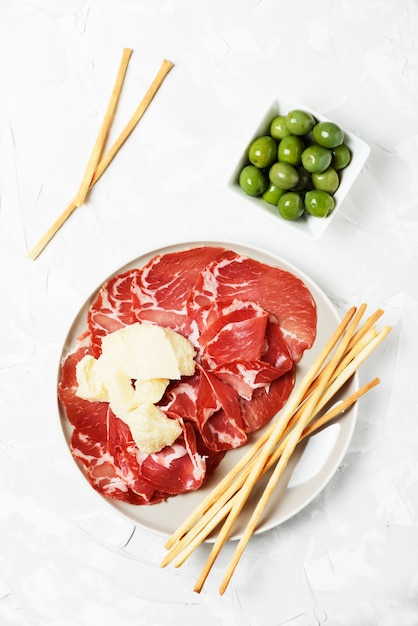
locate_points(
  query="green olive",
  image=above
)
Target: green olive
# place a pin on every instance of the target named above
(253, 181)
(284, 175)
(327, 134)
(273, 194)
(316, 158)
(290, 150)
(291, 206)
(278, 128)
(328, 180)
(262, 151)
(300, 122)
(305, 179)
(319, 203)
(341, 156)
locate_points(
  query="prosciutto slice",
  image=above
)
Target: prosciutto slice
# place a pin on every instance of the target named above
(236, 334)
(177, 468)
(266, 402)
(161, 290)
(249, 323)
(285, 296)
(212, 406)
(101, 471)
(88, 418)
(112, 308)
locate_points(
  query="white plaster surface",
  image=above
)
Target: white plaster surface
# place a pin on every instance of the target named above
(66, 559)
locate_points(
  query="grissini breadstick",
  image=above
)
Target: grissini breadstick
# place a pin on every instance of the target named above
(100, 142)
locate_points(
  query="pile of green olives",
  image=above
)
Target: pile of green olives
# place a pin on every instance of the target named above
(297, 166)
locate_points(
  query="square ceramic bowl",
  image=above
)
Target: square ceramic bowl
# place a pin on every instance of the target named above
(308, 225)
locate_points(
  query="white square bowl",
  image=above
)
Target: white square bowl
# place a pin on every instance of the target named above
(308, 226)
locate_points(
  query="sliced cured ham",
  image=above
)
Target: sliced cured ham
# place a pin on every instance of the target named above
(176, 468)
(124, 454)
(278, 291)
(266, 402)
(212, 406)
(88, 418)
(245, 350)
(112, 308)
(161, 290)
(114, 465)
(249, 324)
(236, 334)
(248, 376)
(106, 477)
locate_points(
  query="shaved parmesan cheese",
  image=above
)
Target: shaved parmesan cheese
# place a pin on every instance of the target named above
(132, 374)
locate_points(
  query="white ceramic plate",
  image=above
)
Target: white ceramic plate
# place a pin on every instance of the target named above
(314, 461)
(307, 226)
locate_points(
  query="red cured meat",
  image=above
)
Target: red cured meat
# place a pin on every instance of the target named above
(212, 406)
(223, 429)
(248, 376)
(176, 468)
(102, 442)
(114, 466)
(127, 458)
(89, 418)
(266, 402)
(276, 351)
(160, 292)
(226, 312)
(102, 473)
(235, 335)
(181, 398)
(112, 309)
(249, 322)
(246, 353)
(276, 290)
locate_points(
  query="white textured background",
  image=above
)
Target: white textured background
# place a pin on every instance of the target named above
(351, 557)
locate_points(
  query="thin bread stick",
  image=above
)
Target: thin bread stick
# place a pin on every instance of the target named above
(100, 142)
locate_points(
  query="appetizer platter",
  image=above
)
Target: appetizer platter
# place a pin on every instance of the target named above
(208, 390)
(314, 461)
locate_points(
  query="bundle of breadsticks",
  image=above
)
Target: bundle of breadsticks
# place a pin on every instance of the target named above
(348, 347)
(99, 160)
